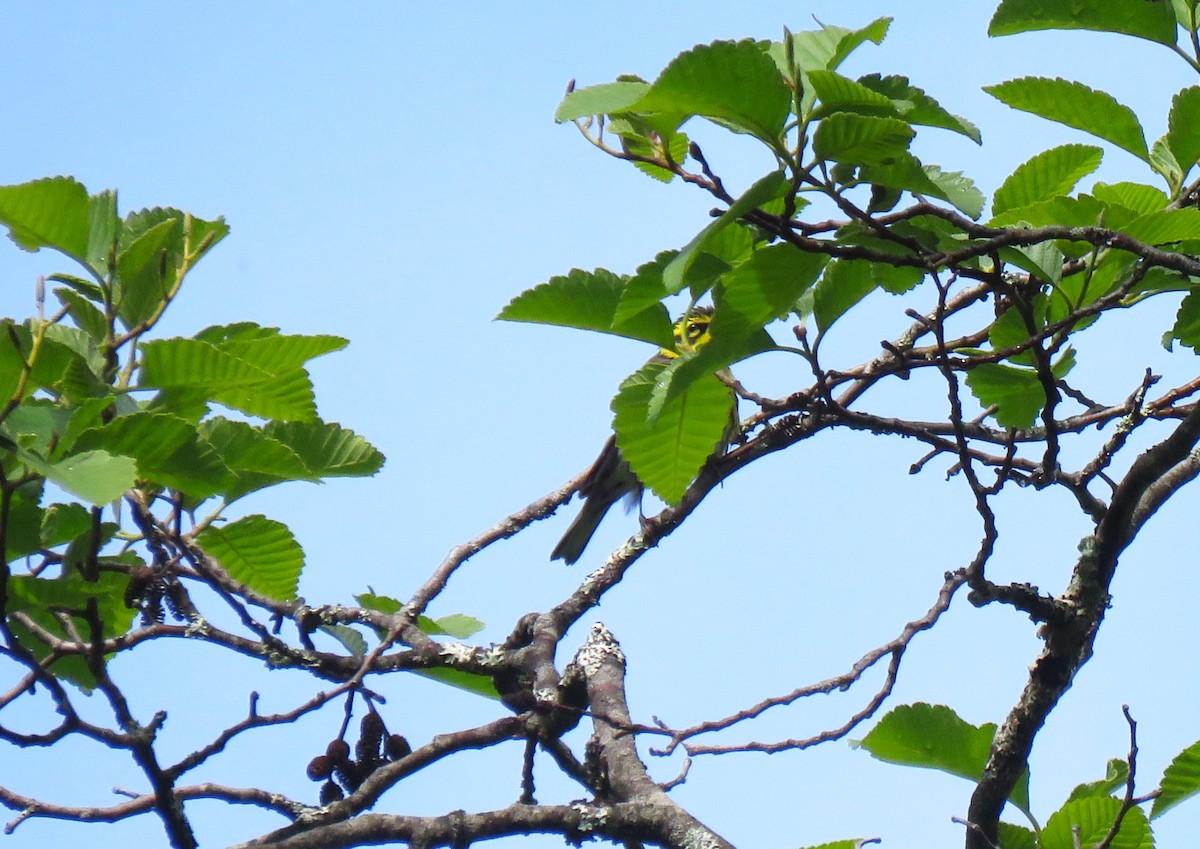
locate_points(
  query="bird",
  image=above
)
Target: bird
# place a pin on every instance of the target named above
(610, 478)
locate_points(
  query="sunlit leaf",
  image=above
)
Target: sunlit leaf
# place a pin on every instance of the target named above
(935, 737)
(1050, 174)
(49, 213)
(1074, 104)
(1150, 20)
(1086, 821)
(258, 552)
(1181, 781)
(589, 300)
(666, 454)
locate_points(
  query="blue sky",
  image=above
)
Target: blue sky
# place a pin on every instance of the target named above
(392, 174)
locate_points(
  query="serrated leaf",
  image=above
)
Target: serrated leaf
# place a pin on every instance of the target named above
(147, 271)
(1115, 776)
(589, 300)
(1050, 174)
(603, 99)
(1165, 226)
(1153, 21)
(255, 459)
(1015, 837)
(83, 312)
(1086, 821)
(328, 449)
(645, 289)
(104, 229)
(829, 46)
(765, 287)
(95, 476)
(62, 523)
(480, 685)
(861, 139)
(457, 625)
(935, 737)
(45, 600)
(1137, 197)
(193, 363)
(287, 397)
(1183, 133)
(167, 449)
(258, 552)
(841, 94)
(268, 349)
(350, 639)
(734, 83)
(764, 190)
(666, 454)
(49, 213)
(1180, 781)
(1016, 393)
(844, 284)
(1075, 105)
(906, 172)
(917, 107)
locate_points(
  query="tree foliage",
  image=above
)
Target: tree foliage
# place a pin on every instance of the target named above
(125, 456)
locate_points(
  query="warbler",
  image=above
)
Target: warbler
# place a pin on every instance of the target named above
(610, 479)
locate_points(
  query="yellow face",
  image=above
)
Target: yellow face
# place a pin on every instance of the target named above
(693, 331)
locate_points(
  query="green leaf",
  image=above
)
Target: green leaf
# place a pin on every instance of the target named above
(1115, 776)
(49, 213)
(935, 737)
(104, 230)
(844, 284)
(328, 449)
(1165, 226)
(829, 46)
(1162, 160)
(83, 312)
(861, 139)
(1086, 821)
(1016, 393)
(1048, 175)
(457, 625)
(1154, 21)
(148, 270)
(841, 94)
(1016, 837)
(62, 523)
(255, 459)
(763, 191)
(1183, 133)
(1151, 20)
(480, 685)
(95, 476)
(258, 552)
(167, 449)
(603, 99)
(734, 83)
(765, 287)
(350, 639)
(917, 107)
(852, 843)
(45, 600)
(1180, 781)
(589, 301)
(1074, 104)
(644, 290)
(906, 172)
(191, 363)
(1137, 197)
(666, 454)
